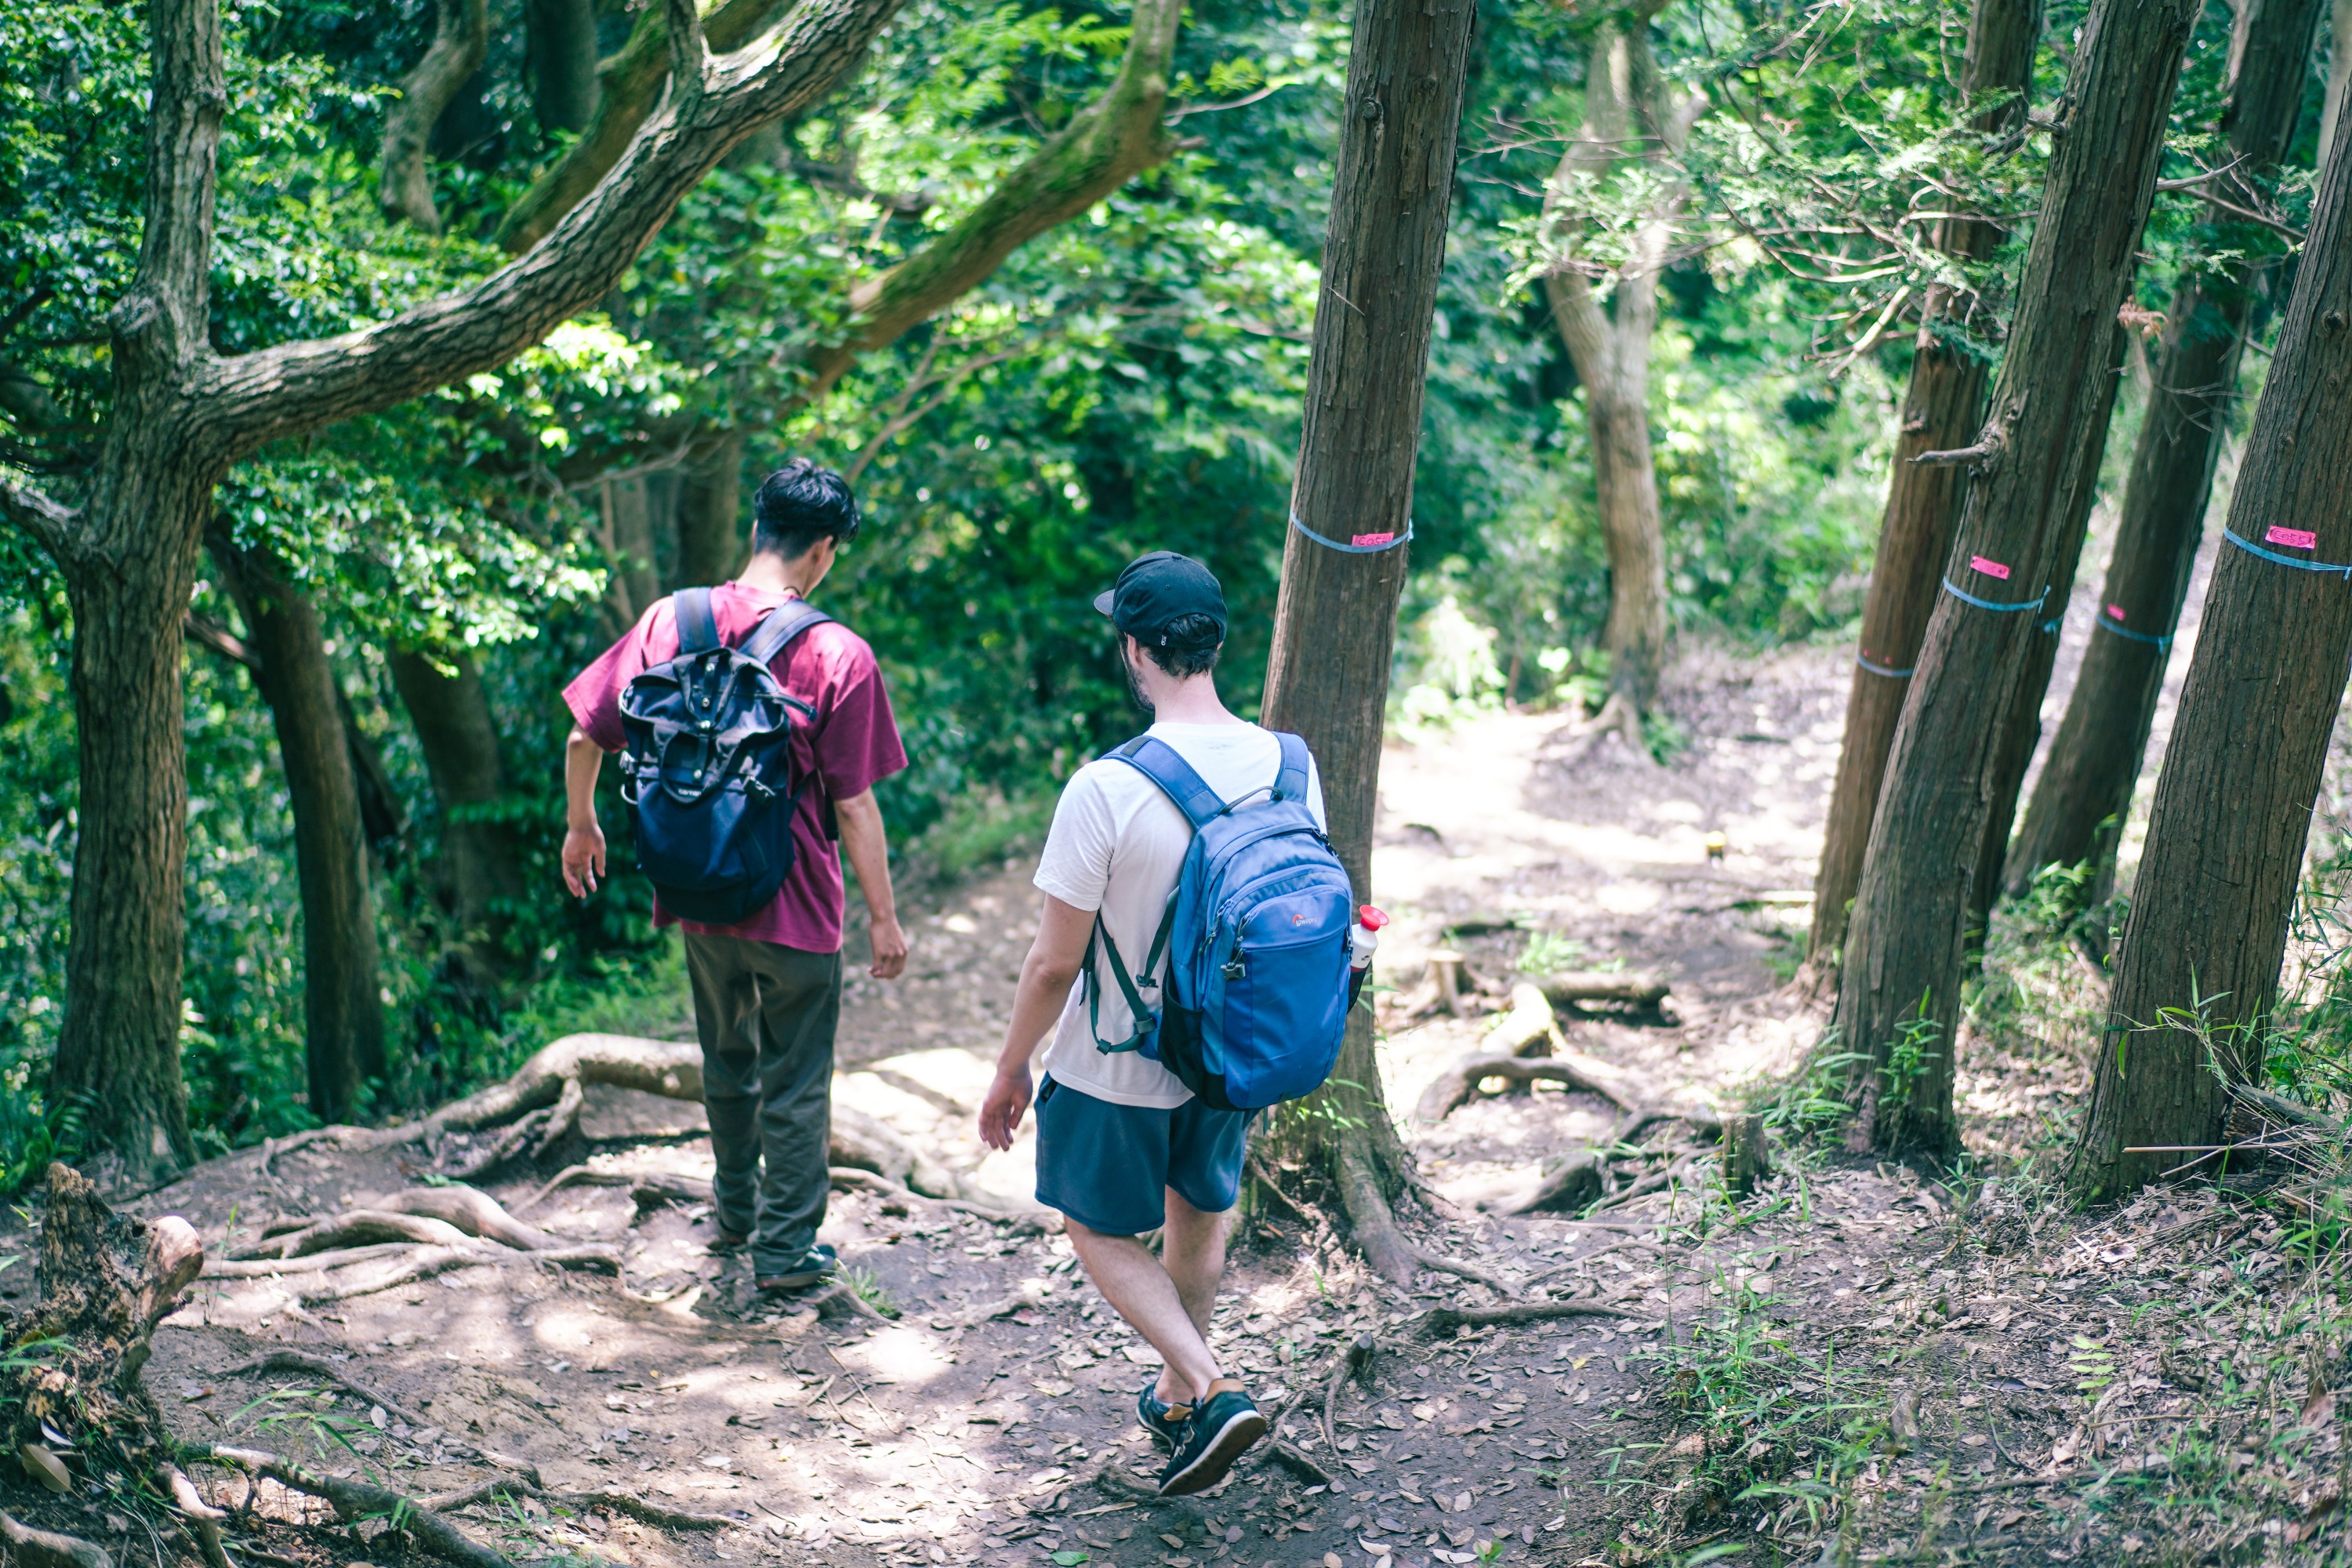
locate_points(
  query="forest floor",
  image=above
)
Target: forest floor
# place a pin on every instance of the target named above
(1857, 1363)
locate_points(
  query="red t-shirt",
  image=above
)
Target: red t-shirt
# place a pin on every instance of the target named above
(851, 744)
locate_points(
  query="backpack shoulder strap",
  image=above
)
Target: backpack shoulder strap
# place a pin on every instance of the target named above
(783, 624)
(1158, 761)
(696, 631)
(1290, 784)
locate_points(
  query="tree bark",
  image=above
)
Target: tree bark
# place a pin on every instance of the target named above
(180, 415)
(1335, 620)
(1898, 992)
(562, 63)
(2201, 949)
(2339, 71)
(343, 1007)
(1942, 410)
(455, 729)
(2085, 789)
(1630, 120)
(461, 38)
(711, 539)
(632, 580)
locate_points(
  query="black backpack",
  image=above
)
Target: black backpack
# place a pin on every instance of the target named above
(706, 769)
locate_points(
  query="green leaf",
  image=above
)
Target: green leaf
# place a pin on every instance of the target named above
(1070, 1558)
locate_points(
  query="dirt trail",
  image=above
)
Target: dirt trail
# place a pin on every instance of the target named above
(953, 1437)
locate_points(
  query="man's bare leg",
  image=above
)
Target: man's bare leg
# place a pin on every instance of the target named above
(1168, 1304)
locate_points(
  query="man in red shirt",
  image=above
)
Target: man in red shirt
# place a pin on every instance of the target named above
(767, 992)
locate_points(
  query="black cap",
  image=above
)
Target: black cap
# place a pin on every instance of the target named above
(1158, 588)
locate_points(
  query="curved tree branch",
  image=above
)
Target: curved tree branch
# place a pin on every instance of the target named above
(245, 402)
(50, 522)
(461, 38)
(1118, 136)
(628, 84)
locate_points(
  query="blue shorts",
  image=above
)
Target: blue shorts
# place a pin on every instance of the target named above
(1105, 1165)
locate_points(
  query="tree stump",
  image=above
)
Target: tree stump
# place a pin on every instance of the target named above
(1747, 1154)
(105, 1282)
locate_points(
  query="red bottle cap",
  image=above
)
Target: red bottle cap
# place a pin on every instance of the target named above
(1371, 917)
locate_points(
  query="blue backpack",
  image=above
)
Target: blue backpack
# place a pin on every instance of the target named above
(1257, 938)
(706, 767)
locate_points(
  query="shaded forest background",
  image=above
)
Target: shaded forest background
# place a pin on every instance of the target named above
(1129, 380)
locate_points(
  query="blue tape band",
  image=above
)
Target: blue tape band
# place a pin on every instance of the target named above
(1882, 670)
(1964, 597)
(2251, 547)
(2159, 644)
(2053, 623)
(1389, 543)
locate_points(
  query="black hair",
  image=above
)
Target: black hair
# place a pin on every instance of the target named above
(799, 504)
(1187, 645)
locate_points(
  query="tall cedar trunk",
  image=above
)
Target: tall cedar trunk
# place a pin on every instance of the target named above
(1630, 123)
(1942, 410)
(1335, 622)
(343, 1007)
(2085, 788)
(179, 416)
(480, 868)
(1897, 995)
(2022, 728)
(633, 581)
(562, 62)
(711, 537)
(2225, 843)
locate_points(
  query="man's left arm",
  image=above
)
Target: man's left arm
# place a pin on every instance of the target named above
(867, 847)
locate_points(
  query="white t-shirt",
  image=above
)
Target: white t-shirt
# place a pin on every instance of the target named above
(1118, 846)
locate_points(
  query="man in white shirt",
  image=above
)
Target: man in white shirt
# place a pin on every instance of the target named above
(1123, 1147)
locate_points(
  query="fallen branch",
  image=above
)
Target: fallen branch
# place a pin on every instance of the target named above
(355, 1499)
(1630, 988)
(637, 1508)
(1292, 1458)
(315, 1366)
(1446, 1319)
(1357, 1358)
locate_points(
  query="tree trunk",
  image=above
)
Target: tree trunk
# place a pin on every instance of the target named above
(1941, 411)
(482, 875)
(1335, 621)
(343, 1007)
(461, 38)
(562, 63)
(2022, 729)
(1631, 120)
(2201, 949)
(2085, 788)
(711, 539)
(2339, 71)
(1898, 992)
(632, 580)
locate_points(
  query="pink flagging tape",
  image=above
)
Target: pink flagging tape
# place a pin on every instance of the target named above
(1990, 568)
(2117, 611)
(2292, 538)
(1371, 540)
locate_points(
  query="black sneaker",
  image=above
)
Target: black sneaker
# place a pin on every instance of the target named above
(1220, 1431)
(1165, 1422)
(815, 1268)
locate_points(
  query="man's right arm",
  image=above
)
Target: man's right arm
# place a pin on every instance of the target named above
(584, 837)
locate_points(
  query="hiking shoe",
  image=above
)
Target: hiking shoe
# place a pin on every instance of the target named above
(1220, 1431)
(1165, 1422)
(725, 1240)
(818, 1266)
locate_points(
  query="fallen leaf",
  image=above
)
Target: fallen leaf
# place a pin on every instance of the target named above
(1425, 1412)
(1462, 1503)
(1171, 1539)
(45, 1466)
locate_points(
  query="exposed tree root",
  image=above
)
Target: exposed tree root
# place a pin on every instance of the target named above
(1357, 1360)
(1291, 1458)
(1458, 1084)
(1031, 1294)
(1636, 989)
(354, 1228)
(356, 1500)
(1390, 1255)
(326, 1370)
(1446, 1319)
(1620, 716)
(473, 1212)
(270, 1268)
(46, 1549)
(1437, 1264)
(1029, 1221)
(203, 1518)
(425, 1262)
(1114, 1477)
(1657, 1181)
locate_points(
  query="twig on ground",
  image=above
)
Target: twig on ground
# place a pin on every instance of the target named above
(1293, 1459)
(1442, 1319)
(1357, 1358)
(1440, 1265)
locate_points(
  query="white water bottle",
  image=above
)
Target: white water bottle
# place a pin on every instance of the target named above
(1363, 937)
